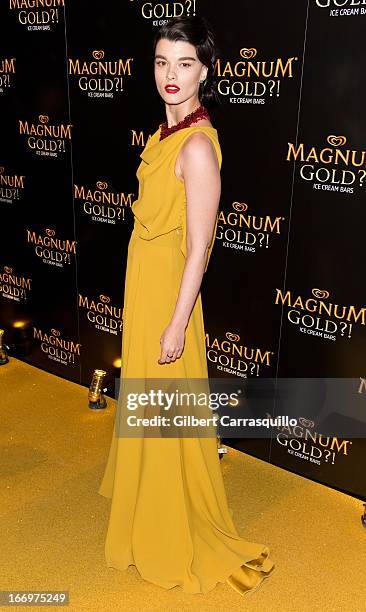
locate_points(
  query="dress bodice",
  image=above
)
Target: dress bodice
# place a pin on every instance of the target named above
(161, 203)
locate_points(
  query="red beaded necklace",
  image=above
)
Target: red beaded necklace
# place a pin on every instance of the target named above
(200, 113)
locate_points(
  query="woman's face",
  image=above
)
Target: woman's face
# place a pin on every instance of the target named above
(176, 64)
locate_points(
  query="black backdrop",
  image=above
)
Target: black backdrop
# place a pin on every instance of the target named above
(285, 285)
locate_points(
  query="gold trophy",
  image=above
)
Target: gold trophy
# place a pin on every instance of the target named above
(3, 354)
(95, 396)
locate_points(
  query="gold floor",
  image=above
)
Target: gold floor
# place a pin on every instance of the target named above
(53, 454)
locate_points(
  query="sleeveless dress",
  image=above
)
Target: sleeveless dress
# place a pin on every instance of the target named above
(169, 513)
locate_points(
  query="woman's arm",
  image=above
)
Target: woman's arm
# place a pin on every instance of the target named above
(200, 170)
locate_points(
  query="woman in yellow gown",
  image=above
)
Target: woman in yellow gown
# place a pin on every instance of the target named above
(169, 512)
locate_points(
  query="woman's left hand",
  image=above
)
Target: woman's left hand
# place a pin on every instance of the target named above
(172, 343)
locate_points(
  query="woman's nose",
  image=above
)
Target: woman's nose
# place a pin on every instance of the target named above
(171, 74)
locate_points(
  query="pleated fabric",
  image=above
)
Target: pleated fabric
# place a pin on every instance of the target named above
(169, 512)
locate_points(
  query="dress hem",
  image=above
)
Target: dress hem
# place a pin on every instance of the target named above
(233, 582)
(226, 579)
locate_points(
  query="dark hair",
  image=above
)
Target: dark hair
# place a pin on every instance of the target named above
(197, 31)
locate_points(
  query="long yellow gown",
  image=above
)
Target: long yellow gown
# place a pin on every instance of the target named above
(169, 513)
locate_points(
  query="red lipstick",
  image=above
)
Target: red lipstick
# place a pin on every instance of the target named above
(172, 88)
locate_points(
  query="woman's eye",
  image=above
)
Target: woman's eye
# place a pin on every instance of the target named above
(161, 63)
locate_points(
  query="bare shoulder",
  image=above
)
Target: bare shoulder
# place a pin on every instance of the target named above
(197, 144)
(198, 148)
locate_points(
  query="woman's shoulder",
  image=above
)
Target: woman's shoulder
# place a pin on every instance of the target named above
(201, 132)
(198, 142)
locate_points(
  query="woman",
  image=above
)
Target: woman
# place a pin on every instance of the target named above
(169, 513)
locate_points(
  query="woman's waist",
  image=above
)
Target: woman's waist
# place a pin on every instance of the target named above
(156, 236)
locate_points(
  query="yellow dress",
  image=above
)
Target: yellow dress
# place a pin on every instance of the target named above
(169, 513)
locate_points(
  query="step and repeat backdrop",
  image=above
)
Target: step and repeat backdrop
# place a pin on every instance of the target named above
(284, 295)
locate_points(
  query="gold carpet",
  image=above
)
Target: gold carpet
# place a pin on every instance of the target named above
(54, 450)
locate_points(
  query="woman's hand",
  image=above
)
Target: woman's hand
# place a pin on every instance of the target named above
(172, 343)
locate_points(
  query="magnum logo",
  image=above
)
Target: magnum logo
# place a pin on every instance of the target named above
(335, 177)
(56, 347)
(160, 11)
(52, 250)
(101, 204)
(44, 138)
(37, 14)
(7, 70)
(233, 358)
(303, 442)
(102, 314)
(250, 79)
(139, 138)
(11, 186)
(320, 318)
(14, 287)
(242, 231)
(342, 8)
(98, 77)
